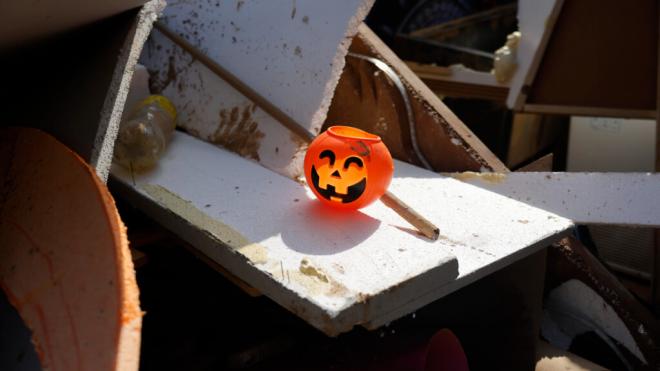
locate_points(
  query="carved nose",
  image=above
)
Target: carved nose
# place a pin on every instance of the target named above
(336, 174)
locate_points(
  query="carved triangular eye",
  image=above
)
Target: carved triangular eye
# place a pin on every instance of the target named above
(329, 154)
(353, 160)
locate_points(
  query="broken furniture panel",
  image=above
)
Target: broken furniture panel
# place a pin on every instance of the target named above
(64, 263)
(566, 68)
(366, 98)
(333, 269)
(73, 85)
(290, 53)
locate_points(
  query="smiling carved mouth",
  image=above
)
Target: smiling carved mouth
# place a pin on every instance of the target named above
(354, 191)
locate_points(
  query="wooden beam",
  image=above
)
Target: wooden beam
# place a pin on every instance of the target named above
(541, 164)
(458, 81)
(588, 111)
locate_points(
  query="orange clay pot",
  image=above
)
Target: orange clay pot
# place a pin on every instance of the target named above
(348, 168)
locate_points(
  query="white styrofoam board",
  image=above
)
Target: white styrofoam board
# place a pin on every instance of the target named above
(290, 52)
(630, 199)
(533, 16)
(335, 269)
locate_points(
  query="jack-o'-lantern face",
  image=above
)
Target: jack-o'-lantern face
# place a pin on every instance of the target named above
(339, 180)
(347, 167)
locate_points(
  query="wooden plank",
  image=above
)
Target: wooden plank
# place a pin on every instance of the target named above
(569, 260)
(335, 270)
(290, 53)
(536, 20)
(458, 81)
(83, 86)
(542, 164)
(587, 111)
(586, 198)
(365, 98)
(582, 66)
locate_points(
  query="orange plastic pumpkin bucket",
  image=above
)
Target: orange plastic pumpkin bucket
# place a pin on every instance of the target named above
(347, 167)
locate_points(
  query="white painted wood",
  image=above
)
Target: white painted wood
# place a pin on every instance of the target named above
(533, 22)
(205, 103)
(631, 199)
(290, 52)
(335, 269)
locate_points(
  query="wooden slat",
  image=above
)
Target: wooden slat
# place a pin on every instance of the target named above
(587, 111)
(460, 82)
(289, 54)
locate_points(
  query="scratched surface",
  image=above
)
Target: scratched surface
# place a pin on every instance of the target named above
(629, 199)
(290, 52)
(335, 269)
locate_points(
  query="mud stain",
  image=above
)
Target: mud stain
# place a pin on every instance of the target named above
(239, 4)
(298, 51)
(159, 82)
(315, 281)
(309, 270)
(486, 177)
(238, 132)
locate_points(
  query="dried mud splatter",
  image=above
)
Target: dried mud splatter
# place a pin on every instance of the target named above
(238, 132)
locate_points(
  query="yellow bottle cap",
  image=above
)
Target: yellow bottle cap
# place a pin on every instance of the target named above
(160, 100)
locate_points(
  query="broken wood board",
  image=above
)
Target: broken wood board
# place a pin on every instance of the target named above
(628, 199)
(557, 55)
(580, 65)
(334, 269)
(21, 21)
(291, 53)
(367, 99)
(460, 81)
(83, 86)
(64, 259)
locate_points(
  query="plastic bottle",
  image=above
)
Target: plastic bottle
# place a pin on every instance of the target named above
(144, 133)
